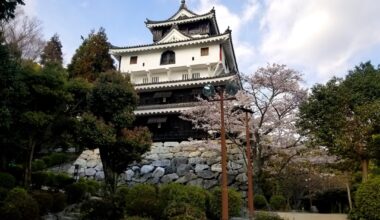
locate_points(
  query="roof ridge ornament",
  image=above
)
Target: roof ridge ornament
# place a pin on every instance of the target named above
(183, 4)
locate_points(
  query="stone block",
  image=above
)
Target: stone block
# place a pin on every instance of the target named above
(234, 166)
(194, 154)
(81, 162)
(161, 163)
(158, 172)
(99, 175)
(165, 156)
(208, 184)
(90, 172)
(147, 169)
(158, 144)
(92, 163)
(182, 169)
(196, 182)
(242, 178)
(209, 154)
(216, 168)
(129, 175)
(169, 178)
(196, 160)
(99, 167)
(200, 167)
(206, 174)
(171, 144)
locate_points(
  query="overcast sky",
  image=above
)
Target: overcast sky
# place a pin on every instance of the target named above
(319, 38)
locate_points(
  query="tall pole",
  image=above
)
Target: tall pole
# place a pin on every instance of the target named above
(224, 160)
(251, 209)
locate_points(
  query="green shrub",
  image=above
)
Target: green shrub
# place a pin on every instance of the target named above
(77, 192)
(38, 165)
(367, 199)
(57, 181)
(3, 194)
(100, 209)
(179, 211)
(235, 202)
(141, 196)
(19, 206)
(178, 193)
(135, 218)
(277, 202)
(55, 159)
(260, 202)
(59, 202)
(44, 200)
(7, 180)
(267, 216)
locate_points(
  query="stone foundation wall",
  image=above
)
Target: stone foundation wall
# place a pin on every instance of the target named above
(192, 163)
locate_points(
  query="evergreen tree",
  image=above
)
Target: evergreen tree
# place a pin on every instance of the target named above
(92, 57)
(7, 9)
(52, 53)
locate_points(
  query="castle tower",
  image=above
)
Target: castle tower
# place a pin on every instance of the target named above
(188, 51)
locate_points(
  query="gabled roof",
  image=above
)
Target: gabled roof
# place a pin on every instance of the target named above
(182, 13)
(180, 20)
(174, 35)
(192, 41)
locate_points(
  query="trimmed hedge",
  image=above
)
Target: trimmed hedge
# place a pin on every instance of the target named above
(139, 198)
(267, 216)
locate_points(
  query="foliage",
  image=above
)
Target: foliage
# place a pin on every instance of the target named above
(59, 202)
(260, 202)
(52, 52)
(367, 199)
(342, 115)
(7, 9)
(53, 180)
(277, 202)
(44, 200)
(185, 211)
(55, 159)
(174, 192)
(141, 196)
(235, 202)
(267, 216)
(100, 209)
(19, 206)
(77, 192)
(273, 93)
(7, 181)
(38, 165)
(107, 127)
(92, 57)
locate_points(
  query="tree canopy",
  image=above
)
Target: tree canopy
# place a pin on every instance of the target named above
(343, 115)
(52, 52)
(92, 57)
(7, 9)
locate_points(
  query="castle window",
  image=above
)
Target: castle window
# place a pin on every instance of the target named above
(196, 75)
(204, 51)
(167, 57)
(145, 80)
(185, 76)
(133, 60)
(155, 79)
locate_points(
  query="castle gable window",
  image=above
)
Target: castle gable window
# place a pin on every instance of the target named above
(133, 60)
(167, 57)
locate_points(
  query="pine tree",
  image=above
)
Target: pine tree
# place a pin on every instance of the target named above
(52, 53)
(92, 57)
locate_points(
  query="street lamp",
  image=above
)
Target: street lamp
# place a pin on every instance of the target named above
(251, 208)
(209, 91)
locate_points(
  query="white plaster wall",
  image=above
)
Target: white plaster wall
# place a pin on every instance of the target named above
(151, 59)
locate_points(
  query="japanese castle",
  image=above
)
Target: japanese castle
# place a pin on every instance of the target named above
(187, 53)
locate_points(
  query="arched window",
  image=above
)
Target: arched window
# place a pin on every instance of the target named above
(168, 57)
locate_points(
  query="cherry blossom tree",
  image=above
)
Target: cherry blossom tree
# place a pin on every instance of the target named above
(273, 93)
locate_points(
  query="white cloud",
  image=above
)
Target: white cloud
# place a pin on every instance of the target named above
(30, 7)
(322, 36)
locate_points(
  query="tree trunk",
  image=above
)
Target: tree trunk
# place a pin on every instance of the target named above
(28, 165)
(349, 196)
(364, 164)
(110, 177)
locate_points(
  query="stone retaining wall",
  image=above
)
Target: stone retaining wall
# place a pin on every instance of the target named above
(188, 162)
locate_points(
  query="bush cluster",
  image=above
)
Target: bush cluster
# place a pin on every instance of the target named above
(267, 216)
(56, 181)
(168, 202)
(260, 202)
(277, 202)
(7, 181)
(77, 192)
(19, 205)
(367, 199)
